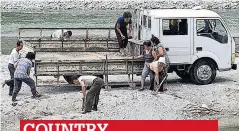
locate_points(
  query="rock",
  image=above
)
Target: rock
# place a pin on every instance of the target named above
(235, 113)
(14, 104)
(27, 101)
(97, 4)
(204, 106)
(36, 117)
(72, 117)
(45, 113)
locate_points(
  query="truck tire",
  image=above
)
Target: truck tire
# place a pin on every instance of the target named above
(203, 72)
(184, 75)
(68, 79)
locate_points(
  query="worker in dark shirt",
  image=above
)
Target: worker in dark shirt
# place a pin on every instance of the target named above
(121, 30)
(148, 57)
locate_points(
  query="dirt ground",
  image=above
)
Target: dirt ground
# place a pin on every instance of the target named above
(183, 100)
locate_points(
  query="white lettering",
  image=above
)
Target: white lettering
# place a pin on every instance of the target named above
(38, 126)
(79, 126)
(89, 127)
(71, 126)
(25, 126)
(64, 127)
(57, 127)
(100, 126)
(50, 127)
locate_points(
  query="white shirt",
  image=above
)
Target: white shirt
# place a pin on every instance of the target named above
(58, 33)
(14, 56)
(162, 59)
(88, 80)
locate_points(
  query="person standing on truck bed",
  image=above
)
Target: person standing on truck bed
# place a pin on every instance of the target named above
(121, 30)
(13, 58)
(22, 73)
(149, 58)
(61, 34)
(91, 99)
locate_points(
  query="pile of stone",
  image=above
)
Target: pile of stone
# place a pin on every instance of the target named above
(115, 4)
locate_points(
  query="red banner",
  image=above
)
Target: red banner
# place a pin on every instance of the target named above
(118, 125)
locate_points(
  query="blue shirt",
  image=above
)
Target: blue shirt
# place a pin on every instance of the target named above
(23, 66)
(122, 23)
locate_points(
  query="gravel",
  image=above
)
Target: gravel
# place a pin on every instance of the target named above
(183, 100)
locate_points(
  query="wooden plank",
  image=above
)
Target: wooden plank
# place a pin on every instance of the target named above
(89, 49)
(74, 42)
(91, 28)
(93, 38)
(85, 73)
(114, 67)
(112, 84)
(138, 42)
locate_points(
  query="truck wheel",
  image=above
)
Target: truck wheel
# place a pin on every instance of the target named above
(203, 72)
(68, 79)
(183, 75)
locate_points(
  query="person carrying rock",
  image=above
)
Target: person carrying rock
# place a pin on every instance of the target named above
(161, 63)
(91, 98)
(121, 31)
(22, 73)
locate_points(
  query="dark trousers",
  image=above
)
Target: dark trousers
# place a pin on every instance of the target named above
(92, 96)
(10, 82)
(18, 84)
(122, 42)
(146, 71)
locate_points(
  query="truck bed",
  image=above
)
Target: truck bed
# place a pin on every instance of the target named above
(71, 56)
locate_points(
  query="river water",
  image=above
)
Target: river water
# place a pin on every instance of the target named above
(12, 20)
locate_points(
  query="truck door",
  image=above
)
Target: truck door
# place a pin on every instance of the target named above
(175, 36)
(211, 39)
(148, 28)
(144, 27)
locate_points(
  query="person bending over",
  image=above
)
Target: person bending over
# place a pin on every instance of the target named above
(60, 34)
(91, 98)
(161, 63)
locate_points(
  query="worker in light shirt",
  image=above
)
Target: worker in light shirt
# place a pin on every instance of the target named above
(13, 58)
(91, 98)
(61, 34)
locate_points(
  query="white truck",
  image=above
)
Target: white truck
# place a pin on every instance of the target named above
(198, 41)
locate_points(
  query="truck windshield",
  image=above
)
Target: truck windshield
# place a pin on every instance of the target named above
(212, 28)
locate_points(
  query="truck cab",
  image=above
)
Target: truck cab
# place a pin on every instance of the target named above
(198, 41)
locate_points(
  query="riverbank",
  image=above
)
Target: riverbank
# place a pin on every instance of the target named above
(115, 4)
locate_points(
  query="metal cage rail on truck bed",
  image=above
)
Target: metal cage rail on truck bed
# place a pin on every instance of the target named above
(90, 67)
(82, 39)
(55, 65)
